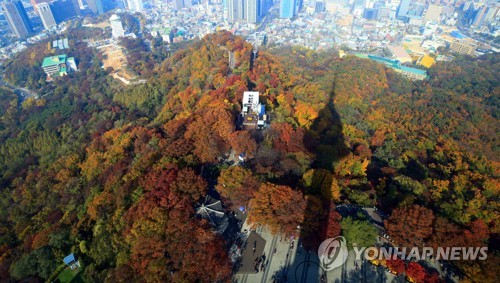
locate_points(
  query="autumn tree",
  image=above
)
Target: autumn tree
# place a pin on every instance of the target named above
(279, 207)
(243, 142)
(360, 233)
(330, 226)
(322, 181)
(237, 184)
(416, 272)
(396, 265)
(209, 132)
(410, 226)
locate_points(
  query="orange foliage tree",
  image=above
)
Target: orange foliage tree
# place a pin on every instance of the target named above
(279, 207)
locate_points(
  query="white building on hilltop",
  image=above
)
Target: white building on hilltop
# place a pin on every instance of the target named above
(253, 112)
(116, 26)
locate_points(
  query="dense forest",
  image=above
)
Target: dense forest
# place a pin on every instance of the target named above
(113, 173)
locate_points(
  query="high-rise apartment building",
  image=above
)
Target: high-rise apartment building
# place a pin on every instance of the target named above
(433, 13)
(179, 4)
(252, 11)
(63, 10)
(17, 18)
(46, 15)
(403, 8)
(358, 7)
(485, 14)
(116, 26)
(232, 10)
(96, 6)
(135, 5)
(287, 9)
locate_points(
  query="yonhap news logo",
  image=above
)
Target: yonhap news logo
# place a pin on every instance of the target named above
(333, 253)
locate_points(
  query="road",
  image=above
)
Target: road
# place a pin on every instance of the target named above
(23, 93)
(268, 18)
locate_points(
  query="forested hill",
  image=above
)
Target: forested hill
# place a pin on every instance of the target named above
(113, 173)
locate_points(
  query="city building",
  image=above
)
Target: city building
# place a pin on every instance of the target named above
(464, 46)
(57, 66)
(232, 10)
(252, 11)
(96, 6)
(485, 14)
(408, 72)
(46, 15)
(287, 9)
(61, 44)
(165, 34)
(63, 10)
(399, 53)
(403, 8)
(135, 5)
(370, 13)
(427, 61)
(17, 18)
(264, 6)
(236, 10)
(116, 26)
(433, 13)
(358, 7)
(319, 7)
(180, 4)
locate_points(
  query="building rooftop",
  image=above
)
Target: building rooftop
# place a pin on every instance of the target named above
(54, 60)
(427, 61)
(399, 52)
(457, 34)
(412, 70)
(114, 17)
(395, 64)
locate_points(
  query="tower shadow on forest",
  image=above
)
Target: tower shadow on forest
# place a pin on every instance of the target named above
(325, 141)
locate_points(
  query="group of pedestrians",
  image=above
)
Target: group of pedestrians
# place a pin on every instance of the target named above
(260, 263)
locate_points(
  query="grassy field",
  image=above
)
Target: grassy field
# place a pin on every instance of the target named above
(68, 275)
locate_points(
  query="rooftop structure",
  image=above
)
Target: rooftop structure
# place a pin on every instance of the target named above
(71, 261)
(287, 9)
(116, 26)
(433, 13)
(464, 46)
(60, 43)
(399, 53)
(409, 72)
(426, 61)
(59, 65)
(253, 113)
(46, 15)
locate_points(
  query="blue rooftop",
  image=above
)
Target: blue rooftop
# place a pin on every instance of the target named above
(69, 259)
(262, 110)
(413, 70)
(457, 34)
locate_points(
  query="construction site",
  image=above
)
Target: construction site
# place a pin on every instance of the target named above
(115, 58)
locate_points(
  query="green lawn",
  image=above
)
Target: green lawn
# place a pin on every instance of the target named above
(68, 275)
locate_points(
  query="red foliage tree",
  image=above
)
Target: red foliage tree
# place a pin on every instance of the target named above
(242, 142)
(416, 272)
(410, 226)
(331, 227)
(396, 265)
